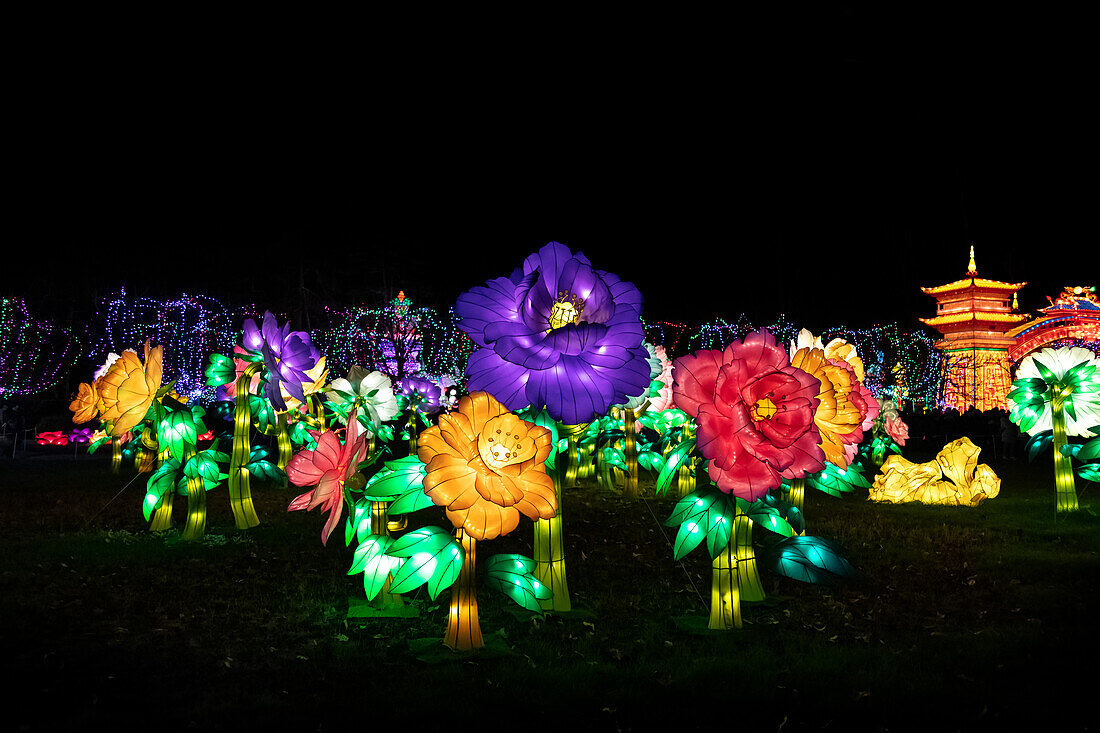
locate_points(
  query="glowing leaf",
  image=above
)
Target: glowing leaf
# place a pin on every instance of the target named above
(679, 455)
(836, 481)
(765, 512)
(263, 414)
(396, 479)
(160, 482)
(411, 500)
(809, 559)
(1089, 472)
(266, 471)
(615, 457)
(370, 558)
(513, 575)
(650, 460)
(431, 555)
(1090, 451)
(702, 514)
(543, 419)
(220, 370)
(1038, 444)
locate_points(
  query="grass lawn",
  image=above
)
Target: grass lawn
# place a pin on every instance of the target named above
(960, 620)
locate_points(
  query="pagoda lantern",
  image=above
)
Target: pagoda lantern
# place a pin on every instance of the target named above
(974, 315)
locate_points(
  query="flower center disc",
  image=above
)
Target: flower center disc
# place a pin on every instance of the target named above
(764, 409)
(504, 442)
(566, 310)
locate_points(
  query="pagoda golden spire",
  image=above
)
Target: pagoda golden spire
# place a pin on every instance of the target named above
(973, 267)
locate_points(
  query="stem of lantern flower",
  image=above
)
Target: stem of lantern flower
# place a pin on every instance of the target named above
(412, 431)
(798, 498)
(630, 452)
(685, 478)
(317, 412)
(286, 447)
(463, 626)
(240, 490)
(162, 517)
(379, 524)
(587, 455)
(549, 554)
(725, 593)
(196, 500)
(116, 455)
(1063, 469)
(605, 478)
(878, 452)
(748, 577)
(574, 462)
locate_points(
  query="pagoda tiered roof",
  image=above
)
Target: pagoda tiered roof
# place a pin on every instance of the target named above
(951, 319)
(974, 282)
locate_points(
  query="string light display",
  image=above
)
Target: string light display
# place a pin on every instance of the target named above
(189, 327)
(901, 365)
(666, 333)
(398, 340)
(35, 354)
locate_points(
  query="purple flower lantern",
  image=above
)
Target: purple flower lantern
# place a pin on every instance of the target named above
(556, 333)
(287, 356)
(422, 394)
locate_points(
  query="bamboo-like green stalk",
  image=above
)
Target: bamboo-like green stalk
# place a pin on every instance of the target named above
(797, 499)
(286, 447)
(196, 500)
(725, 592)
(463, 626)
(379, 524)
(162, 517)
(116, 455)
(1064, 483)
(572, 454)
(240, 490)
(748, 576)
(630, 453)
(549, 554)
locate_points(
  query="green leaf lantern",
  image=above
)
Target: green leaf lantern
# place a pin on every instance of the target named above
(1058, 390)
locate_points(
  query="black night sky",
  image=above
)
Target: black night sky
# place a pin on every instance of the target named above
(829, 188)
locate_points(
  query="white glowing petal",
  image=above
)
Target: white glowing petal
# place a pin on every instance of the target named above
(111, 359)
(1086, 403)
(805, 340)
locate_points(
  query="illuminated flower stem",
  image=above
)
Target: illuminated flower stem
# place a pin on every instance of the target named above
(734, 577)
(797, 497)
(379, 523)
(549, 543)
(878, 452)
(587, 453)
(196, 500)
(630, 452)
(317, 412)
(286, 447)
(240, 490)
(604, 475)
(162, 517)
(573, 453)
(463, 626)
(116, 455)
(412, 431)
(1063, 469)
(685, 478)
(748, 577)
(549, 555)
(145, 459)
(725, 592)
